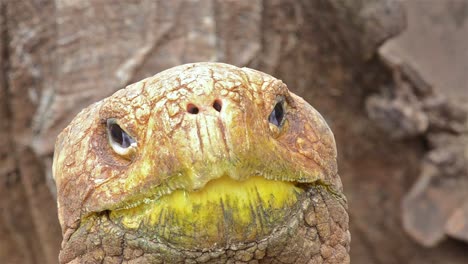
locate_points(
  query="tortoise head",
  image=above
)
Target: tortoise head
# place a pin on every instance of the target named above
(199, 155)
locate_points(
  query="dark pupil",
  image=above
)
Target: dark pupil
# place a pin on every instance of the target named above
(119, 136)
(277, 114)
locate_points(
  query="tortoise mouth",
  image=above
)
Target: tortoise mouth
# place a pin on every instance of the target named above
(223, 211)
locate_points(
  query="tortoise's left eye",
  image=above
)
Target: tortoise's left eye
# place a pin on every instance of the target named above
(277, 115)
(120, 141)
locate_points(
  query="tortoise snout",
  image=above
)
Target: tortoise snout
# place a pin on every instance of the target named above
(193, 108)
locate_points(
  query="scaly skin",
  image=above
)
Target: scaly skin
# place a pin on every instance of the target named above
(218, 185)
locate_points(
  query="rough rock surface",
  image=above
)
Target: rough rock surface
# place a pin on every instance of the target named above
(429, 100)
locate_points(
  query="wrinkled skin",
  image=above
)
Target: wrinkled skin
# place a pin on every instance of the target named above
(132, 208)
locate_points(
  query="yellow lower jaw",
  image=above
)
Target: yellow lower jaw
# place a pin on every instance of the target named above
(225, 210)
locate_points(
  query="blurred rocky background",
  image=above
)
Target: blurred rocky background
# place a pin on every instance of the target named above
(390, 77)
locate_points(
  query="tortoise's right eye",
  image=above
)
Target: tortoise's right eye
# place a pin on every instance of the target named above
(120, 141)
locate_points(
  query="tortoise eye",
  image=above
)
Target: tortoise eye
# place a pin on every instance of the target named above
(277, 115)
(120, 141)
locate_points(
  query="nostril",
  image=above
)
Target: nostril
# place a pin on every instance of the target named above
(192, 109)
(217, 105)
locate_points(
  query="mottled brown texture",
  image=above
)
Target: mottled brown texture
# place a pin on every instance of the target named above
(429, 100)
(175, 145)
(26, 61)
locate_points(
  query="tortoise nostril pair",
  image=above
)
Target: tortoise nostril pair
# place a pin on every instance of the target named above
(193, 109)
